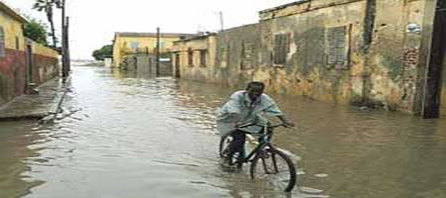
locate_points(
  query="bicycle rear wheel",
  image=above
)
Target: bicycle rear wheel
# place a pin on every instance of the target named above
(276, 167)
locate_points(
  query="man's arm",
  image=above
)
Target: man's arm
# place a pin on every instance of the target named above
(286, 122)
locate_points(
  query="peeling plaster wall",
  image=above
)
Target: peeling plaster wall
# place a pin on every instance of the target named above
(383, 59)
(393, 57)
(230, 68)
(12, 75)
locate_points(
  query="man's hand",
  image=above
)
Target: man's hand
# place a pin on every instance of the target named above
(288, 124)
(285, 122)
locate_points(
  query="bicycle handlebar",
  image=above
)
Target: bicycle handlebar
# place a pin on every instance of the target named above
(254, 124)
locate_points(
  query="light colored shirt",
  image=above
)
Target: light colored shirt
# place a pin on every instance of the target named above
(240, 109)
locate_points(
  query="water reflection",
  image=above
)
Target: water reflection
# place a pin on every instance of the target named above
(16, 155)
(121, 136)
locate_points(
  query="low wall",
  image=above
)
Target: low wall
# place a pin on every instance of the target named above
(14, 73)
(145, 66)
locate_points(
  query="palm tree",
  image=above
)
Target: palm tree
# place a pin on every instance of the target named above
(47, 7)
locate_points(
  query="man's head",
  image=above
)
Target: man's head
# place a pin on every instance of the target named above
(255, 89)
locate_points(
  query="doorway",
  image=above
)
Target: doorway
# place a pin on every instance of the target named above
(29, 64)
(177, 65)
(433, 85)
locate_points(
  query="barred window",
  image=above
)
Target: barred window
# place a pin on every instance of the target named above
(337, 46)
(281, 47)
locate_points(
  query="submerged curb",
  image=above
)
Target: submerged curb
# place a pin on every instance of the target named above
(53, 108)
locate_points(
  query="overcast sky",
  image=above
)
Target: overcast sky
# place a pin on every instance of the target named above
(93, 22)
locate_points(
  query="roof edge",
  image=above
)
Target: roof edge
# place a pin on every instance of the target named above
(284, 6)
(10, 11)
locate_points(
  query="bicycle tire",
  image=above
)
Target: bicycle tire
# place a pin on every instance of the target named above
(270, 162)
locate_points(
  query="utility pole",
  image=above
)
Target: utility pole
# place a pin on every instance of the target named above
(67, 44)
(65, 69)
(157, 53)
(65, 50)
(221, 21)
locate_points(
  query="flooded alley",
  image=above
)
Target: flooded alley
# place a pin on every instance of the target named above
(124, 136)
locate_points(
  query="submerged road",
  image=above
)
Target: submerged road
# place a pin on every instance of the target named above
(123, 136)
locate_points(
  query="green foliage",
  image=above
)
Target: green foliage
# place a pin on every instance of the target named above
(36, 31)
(105, 52)
(47, 6)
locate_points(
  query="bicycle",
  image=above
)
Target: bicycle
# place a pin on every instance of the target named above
(273, 162)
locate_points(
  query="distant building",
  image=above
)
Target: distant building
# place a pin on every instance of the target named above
(108, 62)
(194, 57)
(131, 43)
(22, 61)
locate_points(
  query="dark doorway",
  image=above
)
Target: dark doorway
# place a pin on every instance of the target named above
(432, 89)
(29, 64)
(177, 65)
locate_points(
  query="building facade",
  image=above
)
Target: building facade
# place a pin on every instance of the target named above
(131, 43)
(363, 52)
(195, 57)
(22, 61)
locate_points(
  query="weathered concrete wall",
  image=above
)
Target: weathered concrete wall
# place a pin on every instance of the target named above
(305, 71)
(376, 55)
(391, 63)
(239, 53)
(45, 63)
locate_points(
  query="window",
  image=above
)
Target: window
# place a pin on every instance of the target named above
(2, 42)
(190, 57)
(17, 43)
(337, 47)
(281, 48)
(134, 45)
(203, 58)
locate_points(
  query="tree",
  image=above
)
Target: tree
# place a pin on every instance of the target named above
(105, 52)
(47, 6)
(36, 31)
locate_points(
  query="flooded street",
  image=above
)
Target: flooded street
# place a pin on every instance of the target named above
(122, 136)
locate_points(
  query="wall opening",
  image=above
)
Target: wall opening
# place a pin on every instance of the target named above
(177, 65)
(432, 88)
(281, 48)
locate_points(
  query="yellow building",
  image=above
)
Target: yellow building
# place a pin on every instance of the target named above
(194, 58)
(128, 43)
(22, 61)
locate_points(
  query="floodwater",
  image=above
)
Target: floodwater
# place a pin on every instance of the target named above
(127, 137)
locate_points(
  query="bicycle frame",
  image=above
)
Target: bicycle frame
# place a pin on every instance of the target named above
(264, 140)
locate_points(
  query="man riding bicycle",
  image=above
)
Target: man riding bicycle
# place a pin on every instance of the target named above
(247, 106)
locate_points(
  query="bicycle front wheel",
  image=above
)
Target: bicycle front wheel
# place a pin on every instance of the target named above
(276, 167)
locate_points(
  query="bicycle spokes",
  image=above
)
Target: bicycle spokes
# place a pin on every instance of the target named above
(274, 167)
